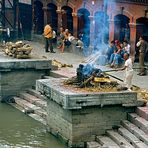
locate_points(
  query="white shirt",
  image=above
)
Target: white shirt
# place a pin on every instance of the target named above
(129, 65)
(127, 48)
(138, 44)
(70, 38)
(53, 34)
(8, 32)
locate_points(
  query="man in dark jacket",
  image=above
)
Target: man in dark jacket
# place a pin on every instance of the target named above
(143, 48)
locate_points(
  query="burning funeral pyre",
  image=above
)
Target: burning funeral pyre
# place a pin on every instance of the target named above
(90, 77)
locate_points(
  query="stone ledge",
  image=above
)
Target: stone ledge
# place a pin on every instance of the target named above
(54, 90)
(25, 64)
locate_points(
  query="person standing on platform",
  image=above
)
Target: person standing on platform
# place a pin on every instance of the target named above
(48, 35)
(143, 48)
(128, 67)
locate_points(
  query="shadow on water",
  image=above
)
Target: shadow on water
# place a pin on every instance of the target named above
(20, 131)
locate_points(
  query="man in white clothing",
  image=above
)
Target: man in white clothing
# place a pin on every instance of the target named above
(128, 67)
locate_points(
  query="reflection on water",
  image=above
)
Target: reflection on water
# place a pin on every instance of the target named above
(17, 130)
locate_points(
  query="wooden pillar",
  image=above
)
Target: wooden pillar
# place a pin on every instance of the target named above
(33, 25)
(132, 37)
(16, 19)
(111, 30)
(45, 15)
(92, 27)
(59, 12)
(75, 24)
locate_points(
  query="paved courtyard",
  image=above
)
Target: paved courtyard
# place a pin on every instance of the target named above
(75, 59)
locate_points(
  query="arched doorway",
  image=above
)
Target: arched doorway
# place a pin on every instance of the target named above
(52, 16)
(101, 27)
(67, 19)
(142, 30)
(84, 26)
(122, 29)
(38, 19)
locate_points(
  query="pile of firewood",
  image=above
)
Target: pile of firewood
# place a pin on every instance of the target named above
(60, 64)
(143, 93)
(18, 50)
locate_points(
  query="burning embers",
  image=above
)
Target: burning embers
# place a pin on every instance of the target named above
(90, 77)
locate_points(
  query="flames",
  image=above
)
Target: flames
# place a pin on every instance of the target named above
(91, 79)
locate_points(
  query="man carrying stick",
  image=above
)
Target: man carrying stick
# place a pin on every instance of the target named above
(128, 67)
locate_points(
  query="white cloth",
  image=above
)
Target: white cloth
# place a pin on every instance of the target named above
(79, 44)
(128, 73)
(138, 44)
(70, 38)
(127, 48)
(53, 34)
(8, 32)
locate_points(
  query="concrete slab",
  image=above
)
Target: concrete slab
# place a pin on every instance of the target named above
(135, 130)
(139, 121)
(106, 142)
(132, 138)
(20, 74)
(120, 140)
(143, 112)
(71, 98)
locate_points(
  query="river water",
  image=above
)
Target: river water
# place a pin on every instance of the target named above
(18, 130)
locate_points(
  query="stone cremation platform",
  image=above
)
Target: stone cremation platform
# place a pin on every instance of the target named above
(79, 116)
(19, 74)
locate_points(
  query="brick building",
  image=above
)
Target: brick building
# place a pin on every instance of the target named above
(100, 20)
(114, 19)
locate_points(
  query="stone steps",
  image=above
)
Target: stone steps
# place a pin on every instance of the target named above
(33, 104)
(138, 121)
(93, 144)
(129, 134)
(137, 143)
(25, 104)
(106, 142)
(34, 100)
(36, 94)
(142, 112)
(30, 108)
(120, 140)
(136, 131)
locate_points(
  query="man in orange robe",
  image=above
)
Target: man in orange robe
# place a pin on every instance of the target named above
(48, 34)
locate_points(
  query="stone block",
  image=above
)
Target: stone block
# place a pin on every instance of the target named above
(79, 116)
(93, 144)
(136, 131)
(139, 121)
(68, 98)
(17, 75)
(143, 112)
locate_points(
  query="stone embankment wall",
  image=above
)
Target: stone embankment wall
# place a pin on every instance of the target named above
(78, 117)
(18, 75)
(82, 125)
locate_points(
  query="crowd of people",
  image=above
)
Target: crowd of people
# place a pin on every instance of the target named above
(116, 51)
(63, 38)
(120, 53)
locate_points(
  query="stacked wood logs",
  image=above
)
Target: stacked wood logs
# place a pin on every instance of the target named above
(60, 64)
(18, 50)
(143, 93)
